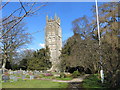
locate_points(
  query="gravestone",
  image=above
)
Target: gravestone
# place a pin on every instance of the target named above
(11, 78)
(15, 78)
(15, 72)
(20, 72)
(5, 78)
(36, 74)
(1, 71)
(31, 77)
(27, 71)
(24, 72)
(23, 77)
(11, 72)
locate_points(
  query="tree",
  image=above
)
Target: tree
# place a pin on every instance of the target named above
(25, 9)
(81, 48)
(79, 52)
(109, 32)
(85, 52)
(108, 16)
(21, 59)
(112, 62)
(40, 60)
(82, 26)
(13, 40)
(12, 21)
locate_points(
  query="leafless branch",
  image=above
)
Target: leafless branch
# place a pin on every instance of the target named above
(5, 4)
(11, 14)
(38, 8)
(19, 19)
(22, 6)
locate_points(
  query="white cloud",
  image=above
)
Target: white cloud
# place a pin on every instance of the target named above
(23, 49)
(42, 45)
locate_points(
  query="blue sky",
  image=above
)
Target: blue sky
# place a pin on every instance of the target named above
(67, 11)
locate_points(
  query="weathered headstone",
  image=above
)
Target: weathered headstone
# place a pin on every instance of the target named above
(5, 78)
(1, 71)
(10, 72)
(11, 78)
(24, 72)
(15, 72)
(15, 78)
(31, 75)
(23, 77)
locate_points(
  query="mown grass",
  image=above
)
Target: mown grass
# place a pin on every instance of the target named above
(67, 78)
(34, 84)
(0, 81)
(92, 82)
(57, 78)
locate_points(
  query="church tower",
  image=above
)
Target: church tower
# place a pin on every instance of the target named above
(53, 39)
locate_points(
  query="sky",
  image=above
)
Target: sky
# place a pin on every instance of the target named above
(66, 11)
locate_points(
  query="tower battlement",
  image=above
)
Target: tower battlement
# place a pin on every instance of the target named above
(55, 19)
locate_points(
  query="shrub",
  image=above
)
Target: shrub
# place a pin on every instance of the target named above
(57, 75)
(75, 74)
(27, 76)
(37, 76)
(62, 75)
(41, 75)
(92, 82)
(68, 75)
(48, 74)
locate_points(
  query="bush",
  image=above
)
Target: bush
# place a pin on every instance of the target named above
(68, 75)
(93, 82)
(62, 75)
(36, 76)
(75, 74)
(48, 74)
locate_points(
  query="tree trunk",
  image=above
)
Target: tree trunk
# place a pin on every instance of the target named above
(4, 61)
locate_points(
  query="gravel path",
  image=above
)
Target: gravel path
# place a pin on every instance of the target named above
(75, 83)
(80, 79)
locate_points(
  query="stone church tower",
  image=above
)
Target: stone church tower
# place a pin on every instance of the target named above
(53, 39)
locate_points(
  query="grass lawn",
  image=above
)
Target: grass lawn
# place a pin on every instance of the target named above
(34, 84)
(58, 78)
(67, 78)
(0, 81)
(92, 82)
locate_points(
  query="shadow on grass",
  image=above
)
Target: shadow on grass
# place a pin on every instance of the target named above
(92, 82)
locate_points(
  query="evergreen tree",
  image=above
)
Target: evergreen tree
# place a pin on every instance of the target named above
(40, 60)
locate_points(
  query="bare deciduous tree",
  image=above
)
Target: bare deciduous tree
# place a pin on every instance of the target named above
(24, 10)
(13, 40)
(12, 33)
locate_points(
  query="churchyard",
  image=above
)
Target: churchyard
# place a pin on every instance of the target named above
(44, 79)
(41, 49)
(33, 79)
